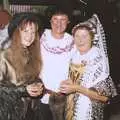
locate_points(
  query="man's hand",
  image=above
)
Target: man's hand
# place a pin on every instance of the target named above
(68, 87)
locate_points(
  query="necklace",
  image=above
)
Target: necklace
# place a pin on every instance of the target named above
(56, 49)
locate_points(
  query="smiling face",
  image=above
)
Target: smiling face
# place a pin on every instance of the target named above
(83, 40)
(59, 24)
(28, 33)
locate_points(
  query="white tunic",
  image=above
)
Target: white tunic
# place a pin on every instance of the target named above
(55, 57)
(94, 76)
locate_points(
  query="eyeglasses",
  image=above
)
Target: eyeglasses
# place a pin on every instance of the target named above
(60, 21)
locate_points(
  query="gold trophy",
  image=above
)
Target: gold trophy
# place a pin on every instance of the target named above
(75, 74)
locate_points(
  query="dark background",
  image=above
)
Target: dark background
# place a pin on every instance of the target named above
(109, 14)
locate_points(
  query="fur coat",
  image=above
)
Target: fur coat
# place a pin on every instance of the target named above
(18, 68)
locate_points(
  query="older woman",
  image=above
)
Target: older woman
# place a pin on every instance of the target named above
(89, 86)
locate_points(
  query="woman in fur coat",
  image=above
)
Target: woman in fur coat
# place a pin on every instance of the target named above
(20, 65)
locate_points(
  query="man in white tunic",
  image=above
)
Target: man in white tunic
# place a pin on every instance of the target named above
(56, 45)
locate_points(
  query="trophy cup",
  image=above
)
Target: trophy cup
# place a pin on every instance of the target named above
(75, 74)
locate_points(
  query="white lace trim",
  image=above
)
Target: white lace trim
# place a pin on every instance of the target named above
(66, 46)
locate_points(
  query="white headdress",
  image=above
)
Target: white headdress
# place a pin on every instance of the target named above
(100, 41)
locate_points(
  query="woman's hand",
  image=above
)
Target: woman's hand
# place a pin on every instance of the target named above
(68, 87)
(35, 89)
